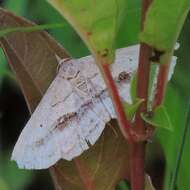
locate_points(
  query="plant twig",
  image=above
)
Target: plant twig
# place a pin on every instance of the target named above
(137, 149)
(123, 122)
(162, 79)
(161, 84)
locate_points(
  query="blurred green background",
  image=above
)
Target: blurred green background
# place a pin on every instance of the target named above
(14, 113)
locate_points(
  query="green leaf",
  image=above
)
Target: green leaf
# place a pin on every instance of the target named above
(130, 109)
(43, 11)
(18, 7)
(178, 103)
(164, 21)
(97, 22)
(159, 118)
(3, 185)
(181, 77)
(176, 106)
(6, 31)
(130, 27)
(184, 136)
(11, 177)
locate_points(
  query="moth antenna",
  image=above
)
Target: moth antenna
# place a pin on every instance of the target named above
(61, 61)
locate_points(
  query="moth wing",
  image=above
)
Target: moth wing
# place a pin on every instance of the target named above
(90, 70)
(172, 67)
(57, 101)
(39, 149)
(127, 60)
(41, 144)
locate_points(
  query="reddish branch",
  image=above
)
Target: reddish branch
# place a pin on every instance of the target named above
(123, 122)
(161, 84)
(139, 128)
(137, 149)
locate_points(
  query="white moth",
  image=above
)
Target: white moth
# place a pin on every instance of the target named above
(74, 111)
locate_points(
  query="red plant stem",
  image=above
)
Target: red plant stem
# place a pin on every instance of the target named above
(161, 84)
(123, 122)
(137, 149)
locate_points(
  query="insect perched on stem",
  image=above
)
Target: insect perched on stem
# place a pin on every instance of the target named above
(74, 111)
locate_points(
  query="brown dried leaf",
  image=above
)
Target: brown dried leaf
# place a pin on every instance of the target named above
(99, 168)
(32, 58)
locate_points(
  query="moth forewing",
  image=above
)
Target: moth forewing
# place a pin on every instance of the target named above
(74, 111)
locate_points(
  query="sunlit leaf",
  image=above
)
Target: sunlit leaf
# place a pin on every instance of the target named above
(97, 22)
(164, 21)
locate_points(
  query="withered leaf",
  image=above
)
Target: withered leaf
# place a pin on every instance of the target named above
(99, 168)
(32, 58)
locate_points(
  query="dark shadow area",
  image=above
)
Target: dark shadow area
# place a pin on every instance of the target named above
(14, 115)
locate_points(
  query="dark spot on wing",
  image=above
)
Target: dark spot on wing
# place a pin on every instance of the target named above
(130, 59)
(62, 121)
(124, 76)
(40, 142)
